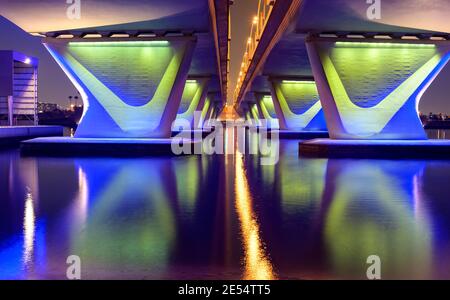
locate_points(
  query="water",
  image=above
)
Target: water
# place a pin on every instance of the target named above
(440, 134)
(223, 217)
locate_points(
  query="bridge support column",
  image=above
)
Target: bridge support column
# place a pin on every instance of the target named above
(267, 109)
(255, 113)
(251, 115)
(130, 88)
(210, 113)
(297, 105)
(248, 116)
(193, 99)
(371, 89)
(207, 109)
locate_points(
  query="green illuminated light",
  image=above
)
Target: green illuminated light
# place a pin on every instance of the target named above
(191, 81)
(383, 45)
(298, 82)
(124, 43)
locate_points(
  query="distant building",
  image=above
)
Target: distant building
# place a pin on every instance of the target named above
(18, 89)
(47, 107)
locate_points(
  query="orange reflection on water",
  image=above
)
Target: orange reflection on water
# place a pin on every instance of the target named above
(257, 264)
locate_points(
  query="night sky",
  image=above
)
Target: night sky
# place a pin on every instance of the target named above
(54, 87)
(242, 12)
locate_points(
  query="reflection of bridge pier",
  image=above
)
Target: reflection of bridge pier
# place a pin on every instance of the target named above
(323, 218)
(353, 228)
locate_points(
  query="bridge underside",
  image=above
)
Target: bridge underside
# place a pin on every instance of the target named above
(370, 74)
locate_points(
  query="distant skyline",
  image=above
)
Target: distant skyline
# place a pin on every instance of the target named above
(55, 87)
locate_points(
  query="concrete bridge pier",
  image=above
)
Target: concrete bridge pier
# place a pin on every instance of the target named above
(370, 92)
(131, 88)
(267, 110)
(370, 89)
(213, 112)
(206, 110)
(256, 113)
(252, 113)
(297, 105)
(193, 100)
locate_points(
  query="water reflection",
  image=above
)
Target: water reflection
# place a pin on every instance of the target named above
(29, 228)
(257, 265)
(131, 212)
(373, 210)
(323, 218)
(223, 217)
(187, 183)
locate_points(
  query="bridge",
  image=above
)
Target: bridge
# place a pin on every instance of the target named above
(138, 65)
(348, 69)
(355, 68)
